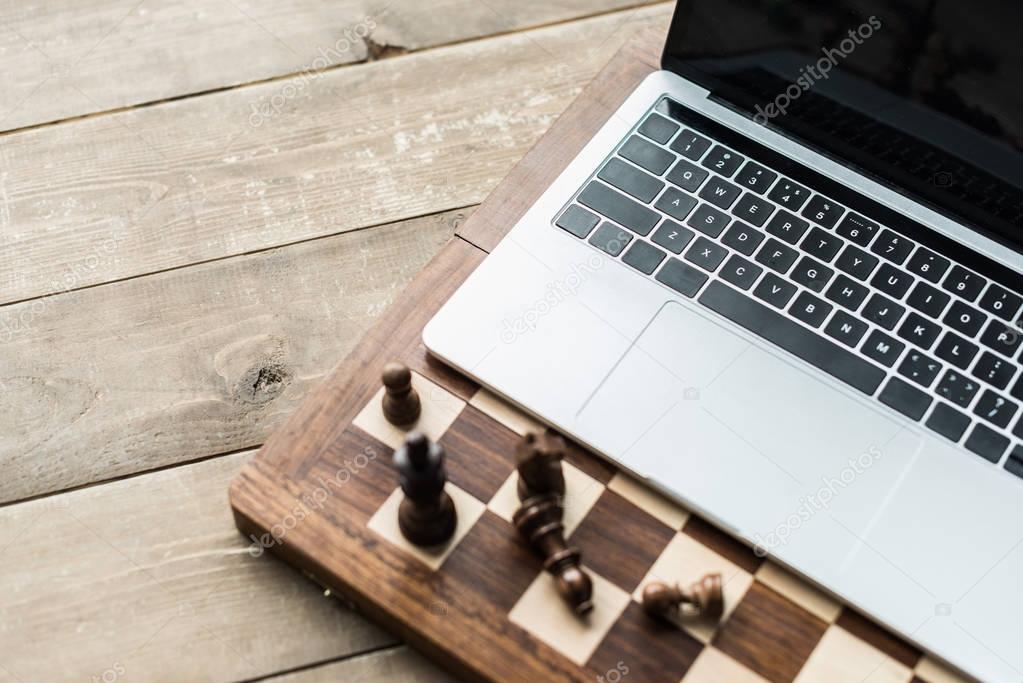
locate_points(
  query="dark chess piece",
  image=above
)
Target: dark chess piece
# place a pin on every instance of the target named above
(539, 522)
(401, 402)
(539, 459)
(426, 516)
(702, 599)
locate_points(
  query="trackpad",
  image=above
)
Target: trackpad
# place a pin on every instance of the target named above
(715, 418)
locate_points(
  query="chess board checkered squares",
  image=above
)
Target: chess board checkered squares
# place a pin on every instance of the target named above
(728, 651)
(685, 561)
(385, 523)
(440, 409)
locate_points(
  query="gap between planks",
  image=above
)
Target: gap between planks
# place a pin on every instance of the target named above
(193, 182)
(399, 52)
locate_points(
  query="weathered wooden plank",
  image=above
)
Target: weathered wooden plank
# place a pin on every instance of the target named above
(145, 190)
(396, 665)
(148, 576)
(135, 375)
(68, 58)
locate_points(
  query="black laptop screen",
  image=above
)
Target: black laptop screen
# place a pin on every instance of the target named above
(924, 95)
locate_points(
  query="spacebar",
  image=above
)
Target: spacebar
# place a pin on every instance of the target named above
(794, 338)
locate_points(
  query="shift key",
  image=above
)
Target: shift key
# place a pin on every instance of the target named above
(794, 338)
(619, 208)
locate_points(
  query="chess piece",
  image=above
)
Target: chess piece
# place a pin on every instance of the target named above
(539, 522)
(401, 402)
(703, 598)
(539, 459)
(426, 516)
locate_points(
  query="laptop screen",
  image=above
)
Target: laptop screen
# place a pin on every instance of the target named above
(924, 95)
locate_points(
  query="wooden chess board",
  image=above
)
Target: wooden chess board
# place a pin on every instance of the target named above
(323, 494)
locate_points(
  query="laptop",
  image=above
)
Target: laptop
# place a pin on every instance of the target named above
(781, 285)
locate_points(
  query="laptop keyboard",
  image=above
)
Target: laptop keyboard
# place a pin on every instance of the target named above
(912, 328)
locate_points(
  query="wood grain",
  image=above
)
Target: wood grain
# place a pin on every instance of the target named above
(185, 364)
(770, 634)
(335, 545)
(67, 58)
(150, 574)
(566, 137)
(141, 191)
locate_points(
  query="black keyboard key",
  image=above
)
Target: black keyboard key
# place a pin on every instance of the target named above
(1015, 462)
(676, 203)
(846, 329)
(673, 236)
(577, 221)
(631, 180)
(619, 208)
(995, 409)
(610, 239)
(821, 244)
(948, 422)
(743, 238)
(823, 211)
(963, 283)
(964, 318)
(892, 281)
(658, 128)
(775, 291)
(787, 227)
(691, 145)
(643, 257)
(987, 443)
(790, 336)
(720, 192)
(847, 293)
(920, 368)
(994, 370)
(856, 262)
(928, 300)
(812, 274)
(740, 272)
(755, 177)
(1000, 302)
(687, 176)
(708, 220)
(895, 248)
(723, 161)
(1017, 389)
(706, 254)
(753, 209)
(958, 388)
(1002, 338)
(919, 330)
(956, 350)
(777, 256)
(647, 155)
(928, 265)
(905, 398)
(789, 194)
(810, 309)
(681, 277)
(882, 348)
(883, 312)
(858, 229)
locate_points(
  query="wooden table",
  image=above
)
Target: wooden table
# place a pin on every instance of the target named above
(203, 205)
